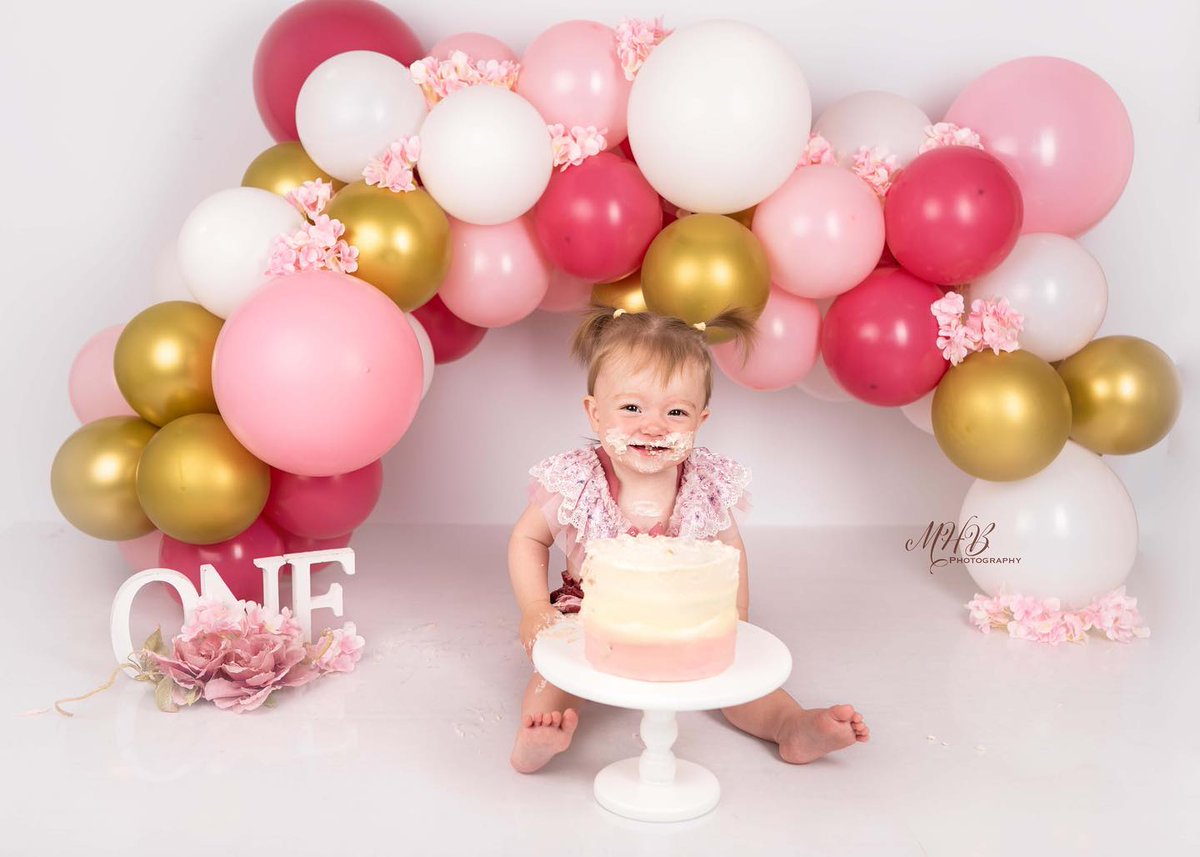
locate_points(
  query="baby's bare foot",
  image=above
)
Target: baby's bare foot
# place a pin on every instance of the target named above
(810, 734)
(542, 737)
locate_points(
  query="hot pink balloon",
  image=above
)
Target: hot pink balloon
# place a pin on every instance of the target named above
(478, 46)
(879, 339)
(300, 544)
(318, 373)
(571, 74)
(142, 553)
(785, 347)
(233, 559)
(1061, 131)
(498, 274)
(92, 385)
(451, 337)
(596, 219)
(309, 33)
(952, 215)
(323, 507)
(566, 293)
(822, 231)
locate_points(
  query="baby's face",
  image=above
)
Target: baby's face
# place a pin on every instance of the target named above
(642, 424)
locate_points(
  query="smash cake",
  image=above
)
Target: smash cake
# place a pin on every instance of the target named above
(659, 608)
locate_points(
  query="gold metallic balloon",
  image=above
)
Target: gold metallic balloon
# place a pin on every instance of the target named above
(1125, 394)
(283, 168)
(1002, 416)
(403, 240)
(198, 484)
(625, 293)
(93, 478)
(702, 265)
(163, 361)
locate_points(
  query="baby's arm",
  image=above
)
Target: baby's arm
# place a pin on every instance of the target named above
(731, 536)
(528, 560)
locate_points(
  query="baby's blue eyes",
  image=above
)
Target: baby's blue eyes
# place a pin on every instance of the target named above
(678, 411)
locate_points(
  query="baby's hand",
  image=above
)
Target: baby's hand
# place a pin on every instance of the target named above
(534, 620)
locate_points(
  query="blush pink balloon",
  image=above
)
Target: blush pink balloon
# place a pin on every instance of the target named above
(567, 293)
(142, 553)
(785, 346)
(318, 373)
(879, 339)
(571, 74)
(92, 385)
(233, 559)
(322, 507)
(498, 274)
(301, 544)
(1062, 132)
(478, 46)
(822, 231)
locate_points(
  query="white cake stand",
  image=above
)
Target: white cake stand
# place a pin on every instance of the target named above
(656, 786)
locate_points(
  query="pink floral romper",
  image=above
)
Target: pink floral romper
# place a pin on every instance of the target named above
(577, 492)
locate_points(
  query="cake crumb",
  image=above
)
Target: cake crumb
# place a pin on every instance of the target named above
(980, 749)
(930, 738)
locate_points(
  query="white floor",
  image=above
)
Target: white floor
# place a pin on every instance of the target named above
(980, 745)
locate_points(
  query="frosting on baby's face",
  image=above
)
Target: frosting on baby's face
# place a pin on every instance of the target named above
(643, 424)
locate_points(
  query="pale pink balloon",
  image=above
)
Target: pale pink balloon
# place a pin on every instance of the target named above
(478, 46)
(822, 231)
(566, 293)
(1061, 131)
(498, 274)
(92, 385)
(571, 74)
(317, 373)
(142, 553)
(785, 348)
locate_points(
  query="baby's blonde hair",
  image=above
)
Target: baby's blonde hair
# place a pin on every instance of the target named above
(667, 343)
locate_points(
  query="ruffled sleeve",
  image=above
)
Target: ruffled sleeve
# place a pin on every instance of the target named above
(563, 487)
(715, 496)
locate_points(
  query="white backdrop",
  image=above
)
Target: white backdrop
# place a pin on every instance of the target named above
(119, 117)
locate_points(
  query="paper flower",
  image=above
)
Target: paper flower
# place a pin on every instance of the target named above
(311, 197)
(636, 38)
(1024, 617)
(317, 246)
(817, 150)
(990, 324)
(571, 147)
(876, 166)
(438, 78)
(948, 134)
(394, 168)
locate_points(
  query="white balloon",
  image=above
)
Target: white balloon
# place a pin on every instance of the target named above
(1072, 525)
(352, 107)
(167, 282)
(920, 412)
(718, 117)
(426, 345)
(1057, 285)
(819, 384)
(486, 155)
(225, 245)
(872, 119)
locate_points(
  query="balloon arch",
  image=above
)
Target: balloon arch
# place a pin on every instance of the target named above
(416, 199)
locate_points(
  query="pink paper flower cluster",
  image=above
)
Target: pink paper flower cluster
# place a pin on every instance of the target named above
(438, 78)
(319, 244)
(948, 134)
(1115, 614)
(990, 324)
(817, 150)
(876, 166)
(636, 38)
(571, 147)
(237, 655)
(394, 168)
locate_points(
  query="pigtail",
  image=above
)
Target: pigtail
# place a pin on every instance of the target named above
(590, 333)
(741, 324)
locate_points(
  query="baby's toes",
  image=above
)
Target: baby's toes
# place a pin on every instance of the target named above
(555, 718)
(842, 712)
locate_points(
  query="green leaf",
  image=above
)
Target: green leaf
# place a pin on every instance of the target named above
(155, 642)
(162, 695)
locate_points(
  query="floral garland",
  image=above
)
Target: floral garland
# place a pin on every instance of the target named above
(990, 324)
(394, 168)
(438, 78)
(1044, 621)
(636, 38)
(319, 244)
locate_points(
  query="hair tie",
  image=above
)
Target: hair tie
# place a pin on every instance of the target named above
(618, 312)
(699, 326)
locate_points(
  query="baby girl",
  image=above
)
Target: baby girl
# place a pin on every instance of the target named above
(649, 383)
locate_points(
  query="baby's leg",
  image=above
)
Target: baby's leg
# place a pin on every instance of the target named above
(548, 721)
(802, 734)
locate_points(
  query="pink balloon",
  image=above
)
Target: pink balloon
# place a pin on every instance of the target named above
(596, 219)
(318, 373)
(498, 274)
(953, 215)
(785, 347)
(1061, 131)
(300, 544)
(478, 46)
(822, 231)
(92, 385)
(451, 337)
(233, 559)
(879, 339)
(571, 74)
(322, 507)
(566, 293)
(142, 553)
